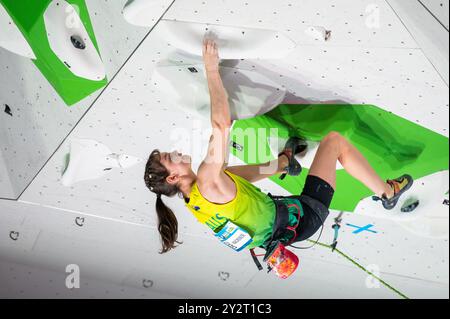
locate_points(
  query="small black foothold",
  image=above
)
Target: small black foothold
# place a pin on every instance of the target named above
(410, 206)
(8, 110)
(78, 42)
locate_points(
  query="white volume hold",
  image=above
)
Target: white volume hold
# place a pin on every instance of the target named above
(233, 42)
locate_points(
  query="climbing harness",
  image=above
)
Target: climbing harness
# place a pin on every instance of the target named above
(278, 258)
(315, 206)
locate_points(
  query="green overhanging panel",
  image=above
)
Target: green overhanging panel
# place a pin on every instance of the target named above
(29, 18)
(393, 145)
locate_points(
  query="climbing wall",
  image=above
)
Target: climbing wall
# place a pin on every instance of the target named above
(28, 281)
(439, 9)
(430, 34)
(5, 182)
(38, 119)
(114, 217)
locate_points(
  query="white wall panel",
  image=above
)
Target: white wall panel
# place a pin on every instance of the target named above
(20, 281)
(40, 119)
(427, 32)
(361, 23)
(440, 9)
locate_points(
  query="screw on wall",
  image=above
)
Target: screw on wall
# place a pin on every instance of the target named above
(224, 275)
(80, 221)
(14, 235)
(8, 110)
(146, 283)
(237, 146)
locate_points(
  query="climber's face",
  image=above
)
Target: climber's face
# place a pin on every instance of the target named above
(176, 162)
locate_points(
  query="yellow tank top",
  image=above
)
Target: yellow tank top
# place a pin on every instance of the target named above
(251, 209)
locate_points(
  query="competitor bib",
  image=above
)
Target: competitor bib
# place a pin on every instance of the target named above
(234, 237)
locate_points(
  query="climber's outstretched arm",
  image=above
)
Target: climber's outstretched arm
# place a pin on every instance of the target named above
(214, 164)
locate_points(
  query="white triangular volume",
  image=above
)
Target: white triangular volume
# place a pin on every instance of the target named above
(430, 218)
(249, 93)
(142, 12)
(70, 41)
(233, 42)
(90, 160)
(11, 38)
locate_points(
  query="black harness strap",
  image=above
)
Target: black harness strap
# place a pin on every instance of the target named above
(281, 219)
(255, 259)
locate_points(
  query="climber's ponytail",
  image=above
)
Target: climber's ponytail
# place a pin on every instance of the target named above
(167, 226)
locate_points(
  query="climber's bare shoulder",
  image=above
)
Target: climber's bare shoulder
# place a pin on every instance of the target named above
(219, 190)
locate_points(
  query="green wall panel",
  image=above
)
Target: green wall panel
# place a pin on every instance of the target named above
(29, 17)
(393, 145)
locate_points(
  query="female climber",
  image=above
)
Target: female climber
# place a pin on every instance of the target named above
(224, 198)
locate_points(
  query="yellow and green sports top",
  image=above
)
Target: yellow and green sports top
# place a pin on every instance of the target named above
(251, 210)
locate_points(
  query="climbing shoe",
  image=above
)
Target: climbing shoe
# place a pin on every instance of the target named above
(400, 186)
(293, 147)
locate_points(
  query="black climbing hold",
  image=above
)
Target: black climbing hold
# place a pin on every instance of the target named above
(8, 110)
(78, 42)
(193, 70)
(410, 206)
(446, 202)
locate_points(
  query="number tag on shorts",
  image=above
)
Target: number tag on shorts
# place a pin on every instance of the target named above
(234, 237)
